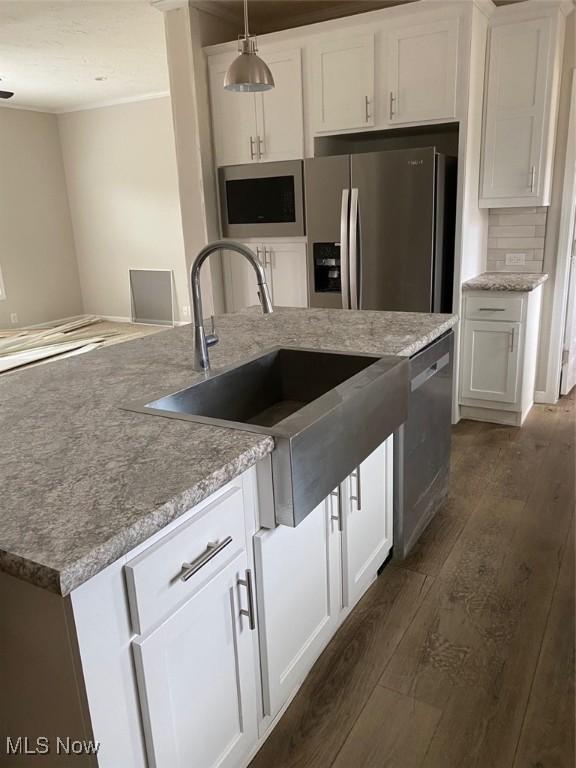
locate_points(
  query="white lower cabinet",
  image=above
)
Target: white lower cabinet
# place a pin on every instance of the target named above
(498, 359)
(309, 576)
(285, 265)
(491, 353)
(298, 586)
(197, 678)
(212, 625)
(366, 522)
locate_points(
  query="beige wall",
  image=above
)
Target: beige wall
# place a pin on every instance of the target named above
(123, 189)
(36, 245)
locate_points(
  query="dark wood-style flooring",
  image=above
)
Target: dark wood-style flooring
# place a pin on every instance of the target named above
(461, 656)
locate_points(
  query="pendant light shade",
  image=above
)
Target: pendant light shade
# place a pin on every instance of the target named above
(248, 73)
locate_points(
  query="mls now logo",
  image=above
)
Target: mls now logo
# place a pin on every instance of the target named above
(24, 745)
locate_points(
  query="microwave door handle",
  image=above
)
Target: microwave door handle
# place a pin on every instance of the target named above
(344, 236)
(354, 261)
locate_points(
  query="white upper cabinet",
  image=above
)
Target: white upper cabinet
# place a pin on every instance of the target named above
(422, 69)
(251, 127)
(343, 83)
(279, 116)
(233, 117)
(520, 111)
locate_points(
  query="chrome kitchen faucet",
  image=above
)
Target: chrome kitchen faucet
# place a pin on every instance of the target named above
(203, 341)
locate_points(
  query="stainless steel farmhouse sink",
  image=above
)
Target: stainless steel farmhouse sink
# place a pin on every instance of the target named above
(327, 411)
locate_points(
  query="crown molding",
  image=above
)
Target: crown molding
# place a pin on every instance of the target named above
(168, 5)
(487, 7)
(213, 9)
(114, 102)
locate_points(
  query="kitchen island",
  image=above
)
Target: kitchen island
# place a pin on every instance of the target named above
(90, 491)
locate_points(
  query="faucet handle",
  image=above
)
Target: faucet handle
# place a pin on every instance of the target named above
(212, 337)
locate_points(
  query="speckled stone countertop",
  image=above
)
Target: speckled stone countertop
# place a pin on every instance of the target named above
(505, 281)
(82, 481)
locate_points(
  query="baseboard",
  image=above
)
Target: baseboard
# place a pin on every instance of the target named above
(491, 415)
(120, 319)
(115, 319)
(543, 397)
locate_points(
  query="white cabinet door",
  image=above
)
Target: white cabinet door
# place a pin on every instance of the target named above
(298, 593)
(233, 118)
(514, 154)
(279, 111)
(343, 82)
(423, 65)
(197, 679)
(240, 286)
(287, 264)
(491, 360)
(367, 520)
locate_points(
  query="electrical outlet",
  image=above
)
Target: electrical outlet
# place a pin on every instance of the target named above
(13, 318)
(515, 259)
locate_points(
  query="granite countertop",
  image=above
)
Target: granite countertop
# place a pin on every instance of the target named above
(84, 481)
(505, 281)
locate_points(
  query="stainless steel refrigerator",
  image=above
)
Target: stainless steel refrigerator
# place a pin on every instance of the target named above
(380, 229)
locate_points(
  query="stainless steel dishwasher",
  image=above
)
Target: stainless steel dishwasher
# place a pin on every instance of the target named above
(422, 444)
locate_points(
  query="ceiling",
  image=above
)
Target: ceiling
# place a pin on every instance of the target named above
(273, 15)
(53, 54)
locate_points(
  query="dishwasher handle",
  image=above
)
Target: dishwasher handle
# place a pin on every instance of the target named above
(429, 372)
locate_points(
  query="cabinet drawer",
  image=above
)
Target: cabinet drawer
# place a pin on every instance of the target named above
(494, 308)
(158, 580)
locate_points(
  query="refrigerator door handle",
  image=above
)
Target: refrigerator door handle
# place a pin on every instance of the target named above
(354, 249)
(344, 235)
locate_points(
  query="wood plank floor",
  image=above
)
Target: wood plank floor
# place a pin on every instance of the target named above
(462, 656)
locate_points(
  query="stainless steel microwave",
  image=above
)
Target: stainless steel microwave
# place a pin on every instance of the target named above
(262, 199)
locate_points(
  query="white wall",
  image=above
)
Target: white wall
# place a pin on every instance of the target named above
(544, 377)
(36, 246)
(122, 183)
(185, 28)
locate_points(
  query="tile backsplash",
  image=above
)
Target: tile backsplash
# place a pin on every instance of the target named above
(513, 233)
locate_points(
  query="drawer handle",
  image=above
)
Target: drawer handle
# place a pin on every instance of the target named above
(337, 518)
(491, 309)
(213, 548)
(358, 497)
(250, 613)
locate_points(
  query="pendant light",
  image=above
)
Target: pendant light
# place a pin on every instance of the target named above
(248, 73)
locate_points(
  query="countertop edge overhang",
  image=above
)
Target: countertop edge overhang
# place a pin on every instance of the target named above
(512, 282)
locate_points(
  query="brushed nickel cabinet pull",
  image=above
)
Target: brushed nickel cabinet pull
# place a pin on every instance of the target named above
(491, 309)
(512, 334)
(250, 612)
(367, 108)
(358, 497)
(252, 147)
(338, 517)
(532, 177)
(392, 100)
(261, 147)
(213, 548)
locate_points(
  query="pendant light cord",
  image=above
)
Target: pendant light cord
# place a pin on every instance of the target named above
(246, 30)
